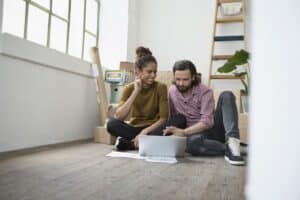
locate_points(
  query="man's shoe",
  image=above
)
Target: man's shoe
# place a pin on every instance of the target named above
(123, 144)
(232, 152)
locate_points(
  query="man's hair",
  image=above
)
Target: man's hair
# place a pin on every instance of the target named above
(182, 65)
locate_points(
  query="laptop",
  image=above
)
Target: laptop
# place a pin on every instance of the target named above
(162, 146)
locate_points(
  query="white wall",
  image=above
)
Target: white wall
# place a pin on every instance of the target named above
(133, 28)
(274, 160)
(172, 29)
(46, 97)
(1, 15)
(113, 32)
(175, 29)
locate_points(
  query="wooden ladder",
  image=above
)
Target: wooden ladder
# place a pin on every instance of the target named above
(228, 38)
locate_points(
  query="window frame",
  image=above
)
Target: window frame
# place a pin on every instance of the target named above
(66, 20)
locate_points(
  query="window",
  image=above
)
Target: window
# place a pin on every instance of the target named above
(68, 26)
(17, 27)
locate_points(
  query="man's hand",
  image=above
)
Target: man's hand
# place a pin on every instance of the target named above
(136, 139)
(172, 130)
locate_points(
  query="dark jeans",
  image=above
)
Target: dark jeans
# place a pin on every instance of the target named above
(211, 141)
(119, 128)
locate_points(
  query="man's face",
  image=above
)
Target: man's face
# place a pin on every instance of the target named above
(183, 80)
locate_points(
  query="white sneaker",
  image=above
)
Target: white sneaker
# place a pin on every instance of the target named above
(234, 145)
(117, 143)
(233, 153)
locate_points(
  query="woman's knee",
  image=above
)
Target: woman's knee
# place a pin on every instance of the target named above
(112, 125)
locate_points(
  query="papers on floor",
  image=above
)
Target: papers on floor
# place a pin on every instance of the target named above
(170, 160)
(124, 155)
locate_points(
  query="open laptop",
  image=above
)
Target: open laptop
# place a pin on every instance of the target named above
(162, 146)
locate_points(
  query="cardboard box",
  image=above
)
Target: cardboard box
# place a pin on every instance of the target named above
(165, 77)
(102, 136)
(127, 66)
(243, 125)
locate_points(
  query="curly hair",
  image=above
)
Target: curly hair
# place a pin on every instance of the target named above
(143, 57)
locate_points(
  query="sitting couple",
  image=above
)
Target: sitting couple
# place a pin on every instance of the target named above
(186, 110)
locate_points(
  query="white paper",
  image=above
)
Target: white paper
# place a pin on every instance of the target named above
(124, 155)
(117, 154)
(170, 160)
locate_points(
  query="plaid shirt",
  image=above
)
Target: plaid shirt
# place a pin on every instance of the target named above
(198, 107)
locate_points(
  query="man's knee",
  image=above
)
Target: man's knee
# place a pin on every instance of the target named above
(227, 95)
(194, 144)
(199, 145)
(191, 139)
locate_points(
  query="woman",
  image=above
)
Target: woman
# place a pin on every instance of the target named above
(145, 100)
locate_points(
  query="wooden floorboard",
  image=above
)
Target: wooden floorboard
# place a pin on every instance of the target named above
(81, 171)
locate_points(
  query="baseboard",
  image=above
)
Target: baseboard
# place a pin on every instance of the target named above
(20, 152)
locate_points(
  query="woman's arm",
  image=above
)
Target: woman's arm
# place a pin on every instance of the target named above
(154, 126)
(123, 110)
(147, 130)
(163, 113)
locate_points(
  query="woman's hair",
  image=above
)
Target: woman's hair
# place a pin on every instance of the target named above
(143, 57)
(182, 65)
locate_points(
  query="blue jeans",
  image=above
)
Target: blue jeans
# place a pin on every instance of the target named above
(211, 141)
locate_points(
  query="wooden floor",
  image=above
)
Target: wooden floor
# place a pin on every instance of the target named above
(81, 171)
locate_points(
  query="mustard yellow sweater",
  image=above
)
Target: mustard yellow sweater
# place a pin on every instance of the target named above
(150, 105)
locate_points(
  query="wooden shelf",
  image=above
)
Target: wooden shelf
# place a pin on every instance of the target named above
(230, 19)
(229, 1)
(227, 77)
(221, 57)
(228, 38)
(221, 19)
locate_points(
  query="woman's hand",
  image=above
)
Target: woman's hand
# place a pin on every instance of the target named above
(136, 139)
(137, 85)
(172, 130)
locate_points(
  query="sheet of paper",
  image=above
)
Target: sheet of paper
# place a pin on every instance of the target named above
(117, 154)
(124, 155)
(170, 160)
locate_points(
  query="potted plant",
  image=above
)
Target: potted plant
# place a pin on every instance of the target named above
(240, 57)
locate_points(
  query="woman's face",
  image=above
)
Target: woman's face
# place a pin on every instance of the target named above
(147, 74)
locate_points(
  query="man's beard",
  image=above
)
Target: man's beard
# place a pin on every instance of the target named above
(183, 89)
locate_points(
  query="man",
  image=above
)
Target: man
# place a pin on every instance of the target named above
(207, 129)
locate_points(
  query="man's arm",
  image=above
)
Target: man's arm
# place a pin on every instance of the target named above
(196, 128)
(207, 108)
(205, 122)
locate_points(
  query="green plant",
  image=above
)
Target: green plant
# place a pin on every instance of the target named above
(240, 57)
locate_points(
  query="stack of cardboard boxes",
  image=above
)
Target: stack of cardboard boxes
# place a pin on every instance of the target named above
(101, 134)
